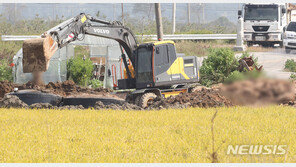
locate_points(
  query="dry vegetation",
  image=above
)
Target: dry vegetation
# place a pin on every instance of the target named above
(201, 48)
(259, 49)
(144, 136)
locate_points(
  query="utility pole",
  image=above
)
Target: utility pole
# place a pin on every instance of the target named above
(53, 12)
(122, 17)
(114, 7)
(14, 19)
(174, 18)
(158, 22)
(203, 13)
(240, 33)
(188, 13)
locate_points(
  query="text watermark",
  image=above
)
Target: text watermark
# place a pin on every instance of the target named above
(257, 149)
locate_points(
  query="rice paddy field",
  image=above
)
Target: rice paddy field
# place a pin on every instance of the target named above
(185, 135)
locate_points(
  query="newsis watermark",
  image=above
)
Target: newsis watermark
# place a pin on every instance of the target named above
(257, 149)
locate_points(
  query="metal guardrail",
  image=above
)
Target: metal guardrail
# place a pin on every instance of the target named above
(152, 37)
(18, 37)
(191, 36)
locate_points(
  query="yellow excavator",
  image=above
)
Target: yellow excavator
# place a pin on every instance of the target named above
(152, 69)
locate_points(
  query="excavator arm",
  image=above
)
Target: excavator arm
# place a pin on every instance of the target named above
(37, 52)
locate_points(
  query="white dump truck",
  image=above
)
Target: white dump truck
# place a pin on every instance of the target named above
(263, 23)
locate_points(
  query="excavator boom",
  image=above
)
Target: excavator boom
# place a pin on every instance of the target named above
(37, 52)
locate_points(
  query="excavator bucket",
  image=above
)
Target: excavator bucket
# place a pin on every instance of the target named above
(37, 53)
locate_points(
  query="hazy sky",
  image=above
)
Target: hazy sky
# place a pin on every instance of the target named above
(211, 11)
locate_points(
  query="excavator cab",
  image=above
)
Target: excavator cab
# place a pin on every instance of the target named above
(160, 73)
(157, 65)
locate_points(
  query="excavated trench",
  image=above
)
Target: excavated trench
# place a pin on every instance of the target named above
(58, 94)
(67, 95)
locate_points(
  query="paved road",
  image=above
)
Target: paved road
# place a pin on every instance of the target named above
(274, 61)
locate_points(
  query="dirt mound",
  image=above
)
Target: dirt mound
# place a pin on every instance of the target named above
(5, 87)
(62, 88)
(71, 107)
(106, 90)
(30, 85)
(10, 101)
(65, 88)
(41, 106)
(202, 98)
(49, 106)
(249, 92)
(124, 106)
(258, 92)
(68, 87)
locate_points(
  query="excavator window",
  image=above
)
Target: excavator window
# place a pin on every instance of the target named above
(161, 57)
(172, 53)
(144, 66)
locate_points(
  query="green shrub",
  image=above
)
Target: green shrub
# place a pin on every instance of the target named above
(95, 83)
(238, 76)
(293, 76)
(235, 76)
(79, 70)
(218, 66)
(290, 65)
(254, 74)
(69, 64)
(5, 71)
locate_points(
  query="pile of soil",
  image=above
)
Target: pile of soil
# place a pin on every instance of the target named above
(99, 105)
(71, 107)
(5, 87)
(62, 88)
(202, 98)
(49, 106)
(11, 101)
(124, 106)
(65, 88)
(258, 92)
(41, 106)
(293, 101)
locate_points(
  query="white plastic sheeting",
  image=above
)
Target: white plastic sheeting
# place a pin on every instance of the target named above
(57, 71)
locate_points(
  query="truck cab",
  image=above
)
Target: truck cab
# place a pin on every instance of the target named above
(263, 23)
(290, 37)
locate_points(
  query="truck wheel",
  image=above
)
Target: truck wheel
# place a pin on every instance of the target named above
(249, 44)
(287, 50)
(146, 99)
(266, 45)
